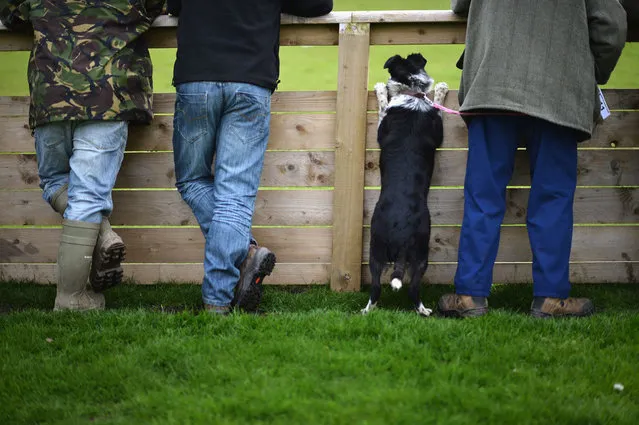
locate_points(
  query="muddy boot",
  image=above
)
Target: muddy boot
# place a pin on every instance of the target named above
(108, 255)
(545, 307)
(453, 305)
(74, 262)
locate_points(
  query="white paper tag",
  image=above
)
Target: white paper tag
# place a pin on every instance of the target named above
(604, 111)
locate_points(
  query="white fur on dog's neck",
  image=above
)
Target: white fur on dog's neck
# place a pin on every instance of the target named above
(405, 100)
(394, 88)
(413, 103)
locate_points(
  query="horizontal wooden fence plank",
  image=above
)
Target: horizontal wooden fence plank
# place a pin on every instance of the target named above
(308, 274)
(310, 131)
(169, 245)
(618, 131)
(418, 33)
(313, 101)
(617, 99)
(404, 16)
(595, 168)
(610, 243)
(164, 37)
(601, 206)
(166, 208)
(310, 35)
(156, 170)
(313, 207)
(314, 132)
(312, 245)
(145, 274)
(288, 132)
(309, 169)
(508, 273)
(164, 103)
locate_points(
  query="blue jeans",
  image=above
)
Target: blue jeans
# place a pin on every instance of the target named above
(552, 149)
(86, 156)
(226, 126)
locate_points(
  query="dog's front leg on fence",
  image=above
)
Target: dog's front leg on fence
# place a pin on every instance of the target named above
(382, 100)
(441, 90)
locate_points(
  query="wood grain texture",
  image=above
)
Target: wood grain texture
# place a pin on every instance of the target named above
(157, 170)
(350, 149)
(168, 245)
(312, 245)
(314, 207)
(311, 169)
(605, 243)
(318, 274)
(166, 208)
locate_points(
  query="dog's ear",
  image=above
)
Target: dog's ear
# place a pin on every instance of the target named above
(417, 59)
(392, 61)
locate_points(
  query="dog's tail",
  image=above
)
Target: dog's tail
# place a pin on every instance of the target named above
(397, 275)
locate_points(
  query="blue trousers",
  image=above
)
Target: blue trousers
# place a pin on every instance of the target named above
(220, 135)
(552, 149)
(87, 156)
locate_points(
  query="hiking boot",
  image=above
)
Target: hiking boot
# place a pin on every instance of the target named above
(454, 305)
(74, 261)
(259, 263)
(545, 307)
(108, 256)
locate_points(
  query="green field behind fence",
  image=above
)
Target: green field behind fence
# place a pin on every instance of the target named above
(315, 68)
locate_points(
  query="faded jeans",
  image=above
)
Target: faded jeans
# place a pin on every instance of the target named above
(219, 140)
(86, 156)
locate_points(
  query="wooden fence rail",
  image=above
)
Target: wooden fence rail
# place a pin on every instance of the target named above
(321, 177)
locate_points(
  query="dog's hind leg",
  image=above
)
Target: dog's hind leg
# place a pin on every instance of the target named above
(381, 91)
(376, 269)
(415, 284)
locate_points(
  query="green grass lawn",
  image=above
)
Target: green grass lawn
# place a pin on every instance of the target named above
(311, 358)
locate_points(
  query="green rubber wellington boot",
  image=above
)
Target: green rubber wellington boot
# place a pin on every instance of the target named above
(74, 264)
(109, 252)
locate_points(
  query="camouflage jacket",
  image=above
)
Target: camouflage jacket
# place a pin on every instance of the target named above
(89, 59)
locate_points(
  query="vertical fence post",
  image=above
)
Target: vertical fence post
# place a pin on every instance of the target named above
(350, 151)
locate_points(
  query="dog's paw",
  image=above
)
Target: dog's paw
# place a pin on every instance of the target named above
(396, 284)
(423, 311)
(369, 307)
(441, 90)
(380, 89)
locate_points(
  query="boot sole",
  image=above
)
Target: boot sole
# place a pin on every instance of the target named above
(463, 314)
(251, 297)
(107, 271)
(541, 315)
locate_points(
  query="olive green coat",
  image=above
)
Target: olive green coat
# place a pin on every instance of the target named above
(543, 58)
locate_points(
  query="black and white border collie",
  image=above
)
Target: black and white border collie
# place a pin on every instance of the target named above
(410, 130)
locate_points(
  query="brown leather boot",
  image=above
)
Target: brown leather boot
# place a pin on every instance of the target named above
(454, 305)
(545, 307)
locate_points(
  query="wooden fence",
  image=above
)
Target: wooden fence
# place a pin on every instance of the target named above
(321, 177)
